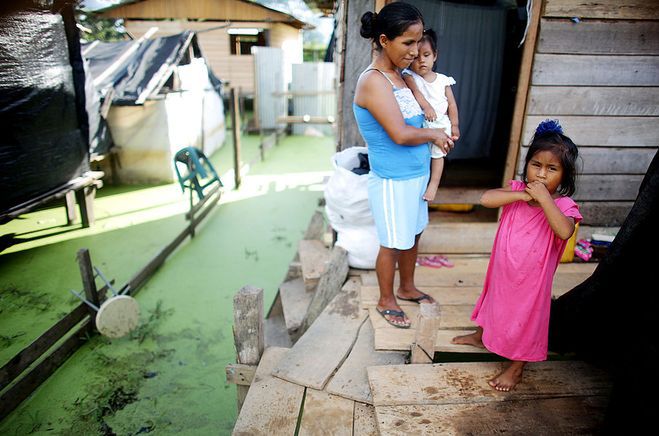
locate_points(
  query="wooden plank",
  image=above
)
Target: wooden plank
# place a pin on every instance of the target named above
(521, 96)
(248, 324)
(88, 283)
(572, 415)
(323, 347)
(295, 300)
(351, 380)
(603, 131)
(423, 347)
(447, 238)
(325, 413)
(592, 100)
(608, 160)
(613, 187)
(316, 227)
(463, 274)
(23, 388)
(595, 70)
(236, 132)
(364, 420)
(240, 374)
(598, 37)
(599, 213)
(451, 317)
(605, 9)
(444, 295)
(313, 257)
(329, 285)
(455, 383)
(453, 195)
(272, 405)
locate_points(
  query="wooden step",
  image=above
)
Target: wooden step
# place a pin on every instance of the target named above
(295, 299)
(322, 348)
(313, 258)
(555, 397)
(455, 195)
(458, 237)
(272, 405)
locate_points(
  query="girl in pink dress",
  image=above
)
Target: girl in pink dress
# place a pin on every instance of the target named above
(538, 218)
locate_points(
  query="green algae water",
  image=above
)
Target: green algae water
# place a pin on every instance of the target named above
(167, 376)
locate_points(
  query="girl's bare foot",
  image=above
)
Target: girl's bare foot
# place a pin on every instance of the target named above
(509, 377)
(475, 339)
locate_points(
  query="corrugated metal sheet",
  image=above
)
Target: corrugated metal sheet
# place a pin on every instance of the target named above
(314, 94)
(269, 96)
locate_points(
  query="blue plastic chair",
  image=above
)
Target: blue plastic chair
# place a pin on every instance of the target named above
(199, 172)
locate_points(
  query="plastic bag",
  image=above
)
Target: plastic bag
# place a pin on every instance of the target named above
(348, 211)
(346, 193)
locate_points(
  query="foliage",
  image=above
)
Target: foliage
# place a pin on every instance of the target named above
(94, 28)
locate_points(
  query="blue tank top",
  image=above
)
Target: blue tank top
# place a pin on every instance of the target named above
(386, 158)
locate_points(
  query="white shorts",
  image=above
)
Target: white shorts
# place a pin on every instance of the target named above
(398, 208)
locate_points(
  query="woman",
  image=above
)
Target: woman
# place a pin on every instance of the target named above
(390, 120)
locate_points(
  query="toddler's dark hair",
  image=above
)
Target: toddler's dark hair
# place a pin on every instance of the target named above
(549, 137)
(392, 21)
(430, 36)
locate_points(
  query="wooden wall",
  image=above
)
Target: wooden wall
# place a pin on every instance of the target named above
(238, 70)
(599, 75)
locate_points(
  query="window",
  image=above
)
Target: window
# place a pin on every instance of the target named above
(242, 40)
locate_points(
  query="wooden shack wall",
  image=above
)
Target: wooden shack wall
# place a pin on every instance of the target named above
(238, 70)
(598, 74)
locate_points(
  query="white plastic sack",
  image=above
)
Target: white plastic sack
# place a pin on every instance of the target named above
(346, 193)
(362, 246)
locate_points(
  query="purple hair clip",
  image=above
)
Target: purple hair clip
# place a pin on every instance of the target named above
(549, 126)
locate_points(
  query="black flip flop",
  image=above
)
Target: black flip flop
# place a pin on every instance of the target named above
(417, 300)
(392, 312)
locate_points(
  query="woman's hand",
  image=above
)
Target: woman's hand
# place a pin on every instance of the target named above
(442, 140)
(455, 132)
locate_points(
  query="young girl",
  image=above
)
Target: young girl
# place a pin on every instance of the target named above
(537, 219)
(433, 92)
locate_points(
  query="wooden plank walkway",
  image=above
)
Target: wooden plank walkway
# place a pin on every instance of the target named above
(335, 381)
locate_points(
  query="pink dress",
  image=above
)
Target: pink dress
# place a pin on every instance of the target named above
(513, 308)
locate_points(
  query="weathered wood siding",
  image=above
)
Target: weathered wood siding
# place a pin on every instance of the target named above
(599, 75)
(238, 70)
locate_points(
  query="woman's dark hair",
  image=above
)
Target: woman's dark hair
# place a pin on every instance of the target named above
(549, 137)
(392, 21)
(430, 37)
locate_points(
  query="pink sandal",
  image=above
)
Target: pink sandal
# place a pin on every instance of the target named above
(442, 260)
(436, 261)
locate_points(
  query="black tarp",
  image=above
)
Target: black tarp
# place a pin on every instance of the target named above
(44, 126)
(611, 318)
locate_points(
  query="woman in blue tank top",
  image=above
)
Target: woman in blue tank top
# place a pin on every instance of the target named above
(390, 120)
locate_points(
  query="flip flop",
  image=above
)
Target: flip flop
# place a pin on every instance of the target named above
(426, 261)
(416, 299)
(442, 260)
(392, 312)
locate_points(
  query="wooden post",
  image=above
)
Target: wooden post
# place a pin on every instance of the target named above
(85, 197)
(70, 204)
(88, 282)
(329, 285)
(423, 348)
(235, 122)
(248, 332)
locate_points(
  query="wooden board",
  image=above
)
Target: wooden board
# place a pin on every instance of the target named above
(313, 257)
(467, 272)
(593, 100)
(351, 380)
(598, 37)
(573, 415)
(272, 405)
(295, 301)
(322, 348)
(608, 160)
(612, 187)
(456, 316)
(607, 214)
(594, 70)
(442, 294)
(609, 9)
(451, 238)
(364, 421)
(456, 383)
(325, 413)
(602, 131)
